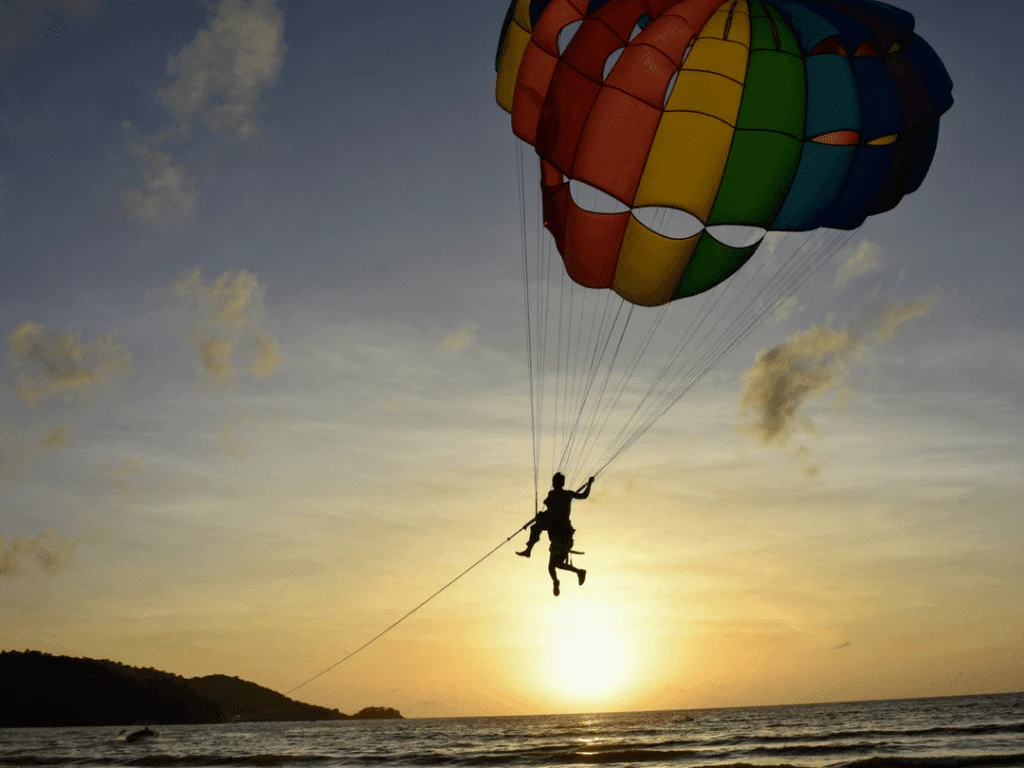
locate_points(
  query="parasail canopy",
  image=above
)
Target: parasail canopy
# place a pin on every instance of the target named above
(674, 134)
(679, 140)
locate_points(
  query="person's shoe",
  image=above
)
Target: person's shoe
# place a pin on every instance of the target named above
(524, 553)
(582, 575)
(556, 588)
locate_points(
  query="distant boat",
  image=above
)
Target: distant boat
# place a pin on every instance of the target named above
(145, 733)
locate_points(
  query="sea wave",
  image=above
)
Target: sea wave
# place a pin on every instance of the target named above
(939, 761)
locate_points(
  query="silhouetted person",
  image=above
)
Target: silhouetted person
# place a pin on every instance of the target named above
(555, 520)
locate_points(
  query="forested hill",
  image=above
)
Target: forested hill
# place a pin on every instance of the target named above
(44, 690)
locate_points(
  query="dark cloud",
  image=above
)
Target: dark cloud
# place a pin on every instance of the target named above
(809, 364)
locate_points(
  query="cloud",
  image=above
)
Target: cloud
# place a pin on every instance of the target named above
(168, 197)
(218, 81)
(51, 552)
(864, 260)
(786, 308)
(18, 451)
(773, 240)
(889, 319)
(57, 438)
(221, 315)
(220, 76)
(265, 359)
(228, 442)
(42, 363)
(460, 339)
(216, 356)
(809, 364)
(126, 475)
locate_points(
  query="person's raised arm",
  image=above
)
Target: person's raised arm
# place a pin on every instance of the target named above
(584, 491)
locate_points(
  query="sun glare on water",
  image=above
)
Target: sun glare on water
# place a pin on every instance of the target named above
(589, 660)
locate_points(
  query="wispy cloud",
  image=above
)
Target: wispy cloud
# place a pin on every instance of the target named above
(889, 319)
(219, 77)
(786, 309)
(55, 439)
(218, 81)
(50, 552)
(42, 363)
(126, 475)
(167, 199)
(222, 317)
(460, 339)
(864, 260)
(19, 450)
(228, 442)
(265, 357)
(810, 364)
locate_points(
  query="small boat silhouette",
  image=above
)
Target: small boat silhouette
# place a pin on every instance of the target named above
(145, 733)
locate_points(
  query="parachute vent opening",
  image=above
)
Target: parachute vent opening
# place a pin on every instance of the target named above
(686, 53)
(610, 62)
(640, 26)
(672, 223)
(884, 141)
(566, 35)
(838, 138)
(737, 235)
(593, 200)
(827, 46)
(671, 87)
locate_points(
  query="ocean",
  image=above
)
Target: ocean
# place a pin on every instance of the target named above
(921, 733)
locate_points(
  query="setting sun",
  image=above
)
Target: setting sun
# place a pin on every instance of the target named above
(591, 661)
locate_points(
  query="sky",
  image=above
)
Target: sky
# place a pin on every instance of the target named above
(264, 388)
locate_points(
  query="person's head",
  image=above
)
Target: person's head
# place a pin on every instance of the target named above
(558, 481)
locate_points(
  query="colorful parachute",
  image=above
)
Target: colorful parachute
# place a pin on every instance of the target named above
(673, 134)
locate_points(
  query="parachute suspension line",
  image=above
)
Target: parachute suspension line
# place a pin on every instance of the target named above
(595, 357)
(588, 367)
(558, 370)
(623, 383)
(767, 306)
(671, 393)
(410, 613)
(806, 259)
(588, 428)
(725, 344)
(645, 400)
(574, 356)
(535, 446)
(650, 405)
(544, 278)
(590, 382)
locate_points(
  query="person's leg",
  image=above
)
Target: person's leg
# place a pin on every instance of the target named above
(564, 565)
(535, 530)
(553, 560)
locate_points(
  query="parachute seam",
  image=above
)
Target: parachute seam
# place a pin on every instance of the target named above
(807, 113)
(725, 167)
